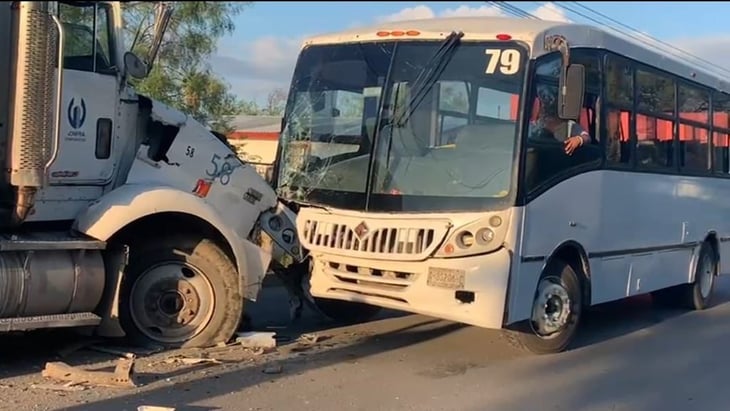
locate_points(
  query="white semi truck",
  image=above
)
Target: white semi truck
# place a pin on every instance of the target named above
(118, 213)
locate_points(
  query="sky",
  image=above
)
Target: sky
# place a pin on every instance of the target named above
(261, 53)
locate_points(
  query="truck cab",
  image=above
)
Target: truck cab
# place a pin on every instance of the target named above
(118, 212)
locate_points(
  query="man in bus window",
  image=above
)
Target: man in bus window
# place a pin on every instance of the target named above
(569, 132)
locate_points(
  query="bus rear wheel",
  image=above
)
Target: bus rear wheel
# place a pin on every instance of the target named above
(180, 292)
(696, 295)
(346, 312)
(556, 312)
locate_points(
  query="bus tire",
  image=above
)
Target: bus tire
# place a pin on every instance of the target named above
(696, 295)
(180, 292)
(346, 312)
(558, 296)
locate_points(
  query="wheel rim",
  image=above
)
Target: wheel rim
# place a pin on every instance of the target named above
(551, 309)
(172, 302)
(707, 275)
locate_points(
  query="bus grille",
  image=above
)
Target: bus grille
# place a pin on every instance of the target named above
(391, 239)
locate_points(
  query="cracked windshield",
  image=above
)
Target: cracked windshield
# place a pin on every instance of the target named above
(411, 126)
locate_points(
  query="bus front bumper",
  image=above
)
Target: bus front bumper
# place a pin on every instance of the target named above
(469, 290)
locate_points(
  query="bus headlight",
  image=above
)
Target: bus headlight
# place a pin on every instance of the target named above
(465, 239)
(485, 235)
(477, 237)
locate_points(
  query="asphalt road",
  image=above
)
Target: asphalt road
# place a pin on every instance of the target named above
(629, 356)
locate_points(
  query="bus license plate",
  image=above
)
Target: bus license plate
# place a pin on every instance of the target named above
(446, 278)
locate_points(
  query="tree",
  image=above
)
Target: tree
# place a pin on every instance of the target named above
(181, 76)
(275, 102)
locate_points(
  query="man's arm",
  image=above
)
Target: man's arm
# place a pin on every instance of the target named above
(576, 130)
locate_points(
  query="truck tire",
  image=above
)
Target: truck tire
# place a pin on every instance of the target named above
(346, 312)
(179, 293)
(564, 307)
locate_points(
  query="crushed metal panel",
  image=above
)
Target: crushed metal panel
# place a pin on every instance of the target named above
(166, 114)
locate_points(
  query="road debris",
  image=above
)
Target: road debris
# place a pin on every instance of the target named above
(112, 351)
(273, 369)
(154, 408)
(256, 339)
(308, 339)
(191, 361)
(259, 351)
(121, 377)
(69, 386)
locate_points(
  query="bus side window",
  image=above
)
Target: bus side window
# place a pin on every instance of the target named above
(721, 138)
(694, 128)
(654, 123)
(721, 142)
(546, 161)
(619, 102)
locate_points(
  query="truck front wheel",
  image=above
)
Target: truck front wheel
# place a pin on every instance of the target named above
(180, 292)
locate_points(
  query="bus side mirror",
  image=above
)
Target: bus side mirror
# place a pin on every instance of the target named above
(570, 97)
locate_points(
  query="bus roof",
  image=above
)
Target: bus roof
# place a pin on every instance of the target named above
(532, 32)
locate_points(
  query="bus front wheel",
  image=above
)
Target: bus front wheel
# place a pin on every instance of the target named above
(556, 312)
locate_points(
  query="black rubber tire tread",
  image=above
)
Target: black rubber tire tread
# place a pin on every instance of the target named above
(691, 295)
(688, 296)
(209, 258)
(346, 312)
(522, 336)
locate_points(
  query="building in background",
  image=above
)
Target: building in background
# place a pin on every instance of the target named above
(256, 139)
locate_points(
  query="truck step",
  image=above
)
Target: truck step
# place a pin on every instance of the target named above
(49, 321)
(48, 241)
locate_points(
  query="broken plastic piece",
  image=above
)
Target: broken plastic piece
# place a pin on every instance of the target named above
(192, 361)
(121, 377)
(256, 339)
(308, 339)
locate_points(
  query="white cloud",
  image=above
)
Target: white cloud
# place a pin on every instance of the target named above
(466, 11)
(551, 12)
(708, 53)
(257, 67)
(419, 12)
(715, 49)
(548, 11)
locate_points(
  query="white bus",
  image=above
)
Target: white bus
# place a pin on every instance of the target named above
(462, 195)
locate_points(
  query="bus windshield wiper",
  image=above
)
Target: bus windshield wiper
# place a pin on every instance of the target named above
(429, 74)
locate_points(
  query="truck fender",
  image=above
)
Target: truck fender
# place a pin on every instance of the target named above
(130, 202)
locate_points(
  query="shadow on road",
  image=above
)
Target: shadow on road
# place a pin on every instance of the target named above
(184, 393)
(603, 323)
(677, 364)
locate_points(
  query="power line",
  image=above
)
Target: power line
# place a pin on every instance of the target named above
(654, 39)
(642, 38)
(513, 10)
